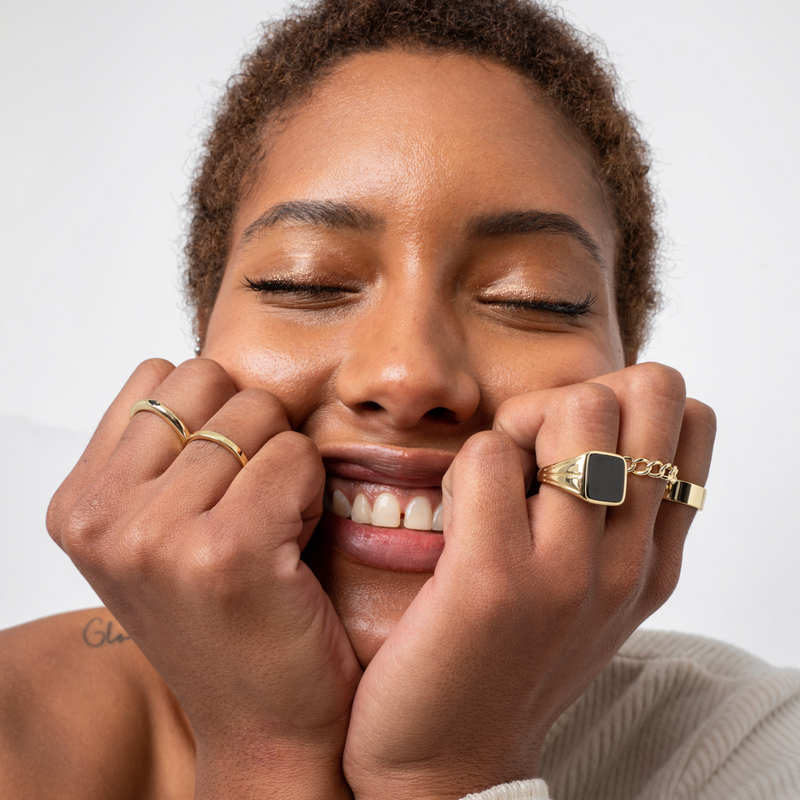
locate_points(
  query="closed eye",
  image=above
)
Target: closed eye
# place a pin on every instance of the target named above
(286, 287)
(547, 305)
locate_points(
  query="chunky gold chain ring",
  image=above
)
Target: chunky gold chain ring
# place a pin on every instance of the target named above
(652, 469)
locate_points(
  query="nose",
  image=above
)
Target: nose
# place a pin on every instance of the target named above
(407, 365)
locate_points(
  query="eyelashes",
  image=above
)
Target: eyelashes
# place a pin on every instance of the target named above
(282, 286)
(550, 305)
(316, 295)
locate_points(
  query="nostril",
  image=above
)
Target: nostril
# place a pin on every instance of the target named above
(442, 414)
(371, 405)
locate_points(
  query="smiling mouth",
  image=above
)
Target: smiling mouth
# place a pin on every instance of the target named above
(384, 526)
(385, 506)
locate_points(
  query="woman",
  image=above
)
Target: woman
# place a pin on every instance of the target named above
(421, 259)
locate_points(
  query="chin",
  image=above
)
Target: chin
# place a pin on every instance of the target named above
(370, 601)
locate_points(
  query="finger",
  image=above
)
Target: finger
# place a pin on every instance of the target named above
(144, 381)
(651, 399)
(693, 456)
(277, 498)
(569, 531)
(126, 453)
(201, 475)
(483, 495)
(198, 478)
(555, 425)
(194, 391)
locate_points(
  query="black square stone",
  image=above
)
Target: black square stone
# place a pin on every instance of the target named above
(604, 478)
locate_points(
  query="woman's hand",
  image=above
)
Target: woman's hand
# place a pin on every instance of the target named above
(531, 597)
(199, 559)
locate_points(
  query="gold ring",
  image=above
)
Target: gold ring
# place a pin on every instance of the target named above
(602, 478)
(218, 438)
(596, 477)
(170, 416)
(690, 494)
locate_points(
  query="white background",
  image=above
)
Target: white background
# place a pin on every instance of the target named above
(102, 104)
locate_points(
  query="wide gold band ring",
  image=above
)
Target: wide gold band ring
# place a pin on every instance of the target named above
(689, 494)
(602, 479)
(166, 414)
(218, 438)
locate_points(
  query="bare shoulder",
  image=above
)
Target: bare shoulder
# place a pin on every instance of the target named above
(83, 714)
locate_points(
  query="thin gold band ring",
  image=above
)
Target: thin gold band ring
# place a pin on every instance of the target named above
(166, 414)
(218, 438)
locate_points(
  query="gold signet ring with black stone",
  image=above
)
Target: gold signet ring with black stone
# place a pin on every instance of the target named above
(599, 478)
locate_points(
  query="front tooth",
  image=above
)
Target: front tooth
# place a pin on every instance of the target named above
(361, 512)
(341, 505)
(438, 519)
(386, 512)
(418, 514)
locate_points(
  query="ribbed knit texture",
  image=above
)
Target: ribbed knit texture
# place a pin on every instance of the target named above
(518, 790)
(674, 717)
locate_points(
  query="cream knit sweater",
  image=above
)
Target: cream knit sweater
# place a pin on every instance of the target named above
(674, 717)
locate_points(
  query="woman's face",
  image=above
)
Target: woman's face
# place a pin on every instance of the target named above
(425, 241)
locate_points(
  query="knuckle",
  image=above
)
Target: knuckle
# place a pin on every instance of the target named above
(703, 416)
(624, 586)
(262, 402)
(494, 598)
(578, 589)
(78, 518)
(152, 373)
(56, 513)
(80, 532)
(295, 446)
(653, 380)
(658, 592)
(592, 405)
(488, 444)
(211, 375)
(302, 473)
(136, 548)
(568, 594)
(666, 575)
(216, 566)
(154, 369)
(510, 410)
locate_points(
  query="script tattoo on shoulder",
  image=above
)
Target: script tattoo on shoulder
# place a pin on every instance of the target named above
(97, 632)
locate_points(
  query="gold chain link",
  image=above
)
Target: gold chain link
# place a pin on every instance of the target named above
(653, 469)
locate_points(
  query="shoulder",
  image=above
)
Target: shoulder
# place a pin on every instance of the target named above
(680, 715)
(82, 710)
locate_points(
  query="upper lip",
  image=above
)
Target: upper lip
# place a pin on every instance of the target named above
(400, 466)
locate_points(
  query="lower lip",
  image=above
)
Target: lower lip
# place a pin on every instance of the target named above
(400, 549)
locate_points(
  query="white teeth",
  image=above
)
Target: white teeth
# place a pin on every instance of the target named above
(386, 512)
(418, 514)
(341, 505)
(361, 512)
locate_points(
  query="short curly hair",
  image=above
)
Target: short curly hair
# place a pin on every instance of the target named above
(297, 51)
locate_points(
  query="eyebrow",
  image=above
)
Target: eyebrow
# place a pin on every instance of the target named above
(348, 216)
(326, 213)
(520, 223)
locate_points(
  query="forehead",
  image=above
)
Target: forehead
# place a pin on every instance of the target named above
(424, 138)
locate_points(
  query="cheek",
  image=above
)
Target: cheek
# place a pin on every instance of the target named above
(295, 371)
(519, 370)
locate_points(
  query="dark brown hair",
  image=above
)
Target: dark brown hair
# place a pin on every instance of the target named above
(297, 51)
